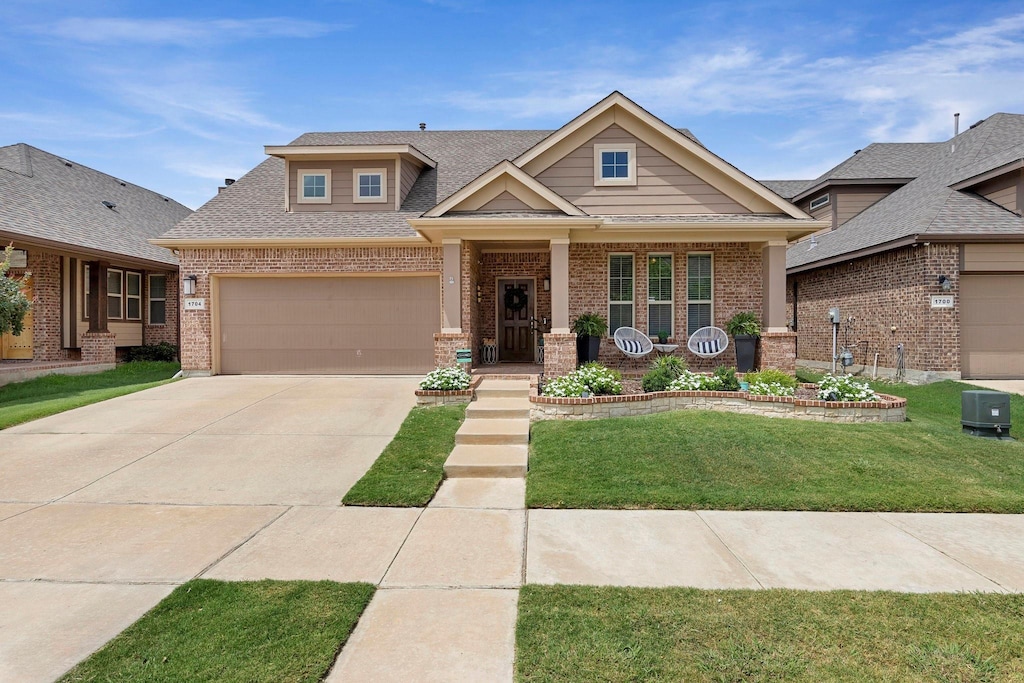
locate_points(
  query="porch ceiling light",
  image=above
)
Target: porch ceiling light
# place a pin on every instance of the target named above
(189, 285)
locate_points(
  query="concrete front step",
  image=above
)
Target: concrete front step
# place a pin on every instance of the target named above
(498, 408)
(486, 461)
(494, 432)
(503, 388)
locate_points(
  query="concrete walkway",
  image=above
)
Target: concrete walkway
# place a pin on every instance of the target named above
(1010, 386)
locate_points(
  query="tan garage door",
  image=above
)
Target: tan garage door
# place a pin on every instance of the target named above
(328, 325)
(992, 326)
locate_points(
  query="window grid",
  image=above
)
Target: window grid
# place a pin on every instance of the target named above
(620, 291)
(699, 292)
(370, 185)
(157, 299)
(115, 294)
(314, 186)
(133, 296)
(615, 164)
(659, 295)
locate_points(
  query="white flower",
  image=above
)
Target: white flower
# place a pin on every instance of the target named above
(692, 381)
(844, 388)
(770, 389)
(446, 379)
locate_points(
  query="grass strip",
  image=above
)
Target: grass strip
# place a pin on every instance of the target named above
(52, 394)
(273, 631)
(698, 459)
(409, 471)
(585, 633)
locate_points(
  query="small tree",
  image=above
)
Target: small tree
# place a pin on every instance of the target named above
(14, 304)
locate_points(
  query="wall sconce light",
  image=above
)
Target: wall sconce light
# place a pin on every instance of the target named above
(189, 284)
(547, 284)
(479, 294)
(945, 283)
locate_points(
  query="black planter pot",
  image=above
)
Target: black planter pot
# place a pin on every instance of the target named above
(587, 348)
(746, 351)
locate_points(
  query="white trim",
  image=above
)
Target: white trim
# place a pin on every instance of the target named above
(630, 149)
(151, 298)
(689, 301)
(608, 283)
(128, 295)
(119, 295)
(300, 181)
(513, 171)
(671, 302)
(345, 151)
(817, 202)
(382, 172)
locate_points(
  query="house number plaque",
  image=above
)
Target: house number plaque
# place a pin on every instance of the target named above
(195, 304)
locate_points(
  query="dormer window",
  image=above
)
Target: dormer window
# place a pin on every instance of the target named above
(819, 202)
(615, 164)
(315, 186)
(370, 185)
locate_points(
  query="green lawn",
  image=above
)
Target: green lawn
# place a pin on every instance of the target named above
(710, 460)
(582, 633)
(409, 471)
(36, 398)
(273, 631)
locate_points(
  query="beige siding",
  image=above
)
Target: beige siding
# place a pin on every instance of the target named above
(127, 333)
(506, 201)
(341, 185)
(1004, 258)
(663, 187)
(992, 326)
(1001, 190)
(850, 201)
(410, 172)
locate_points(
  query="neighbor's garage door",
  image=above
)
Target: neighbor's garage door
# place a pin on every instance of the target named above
(328, 325)
(992, 326)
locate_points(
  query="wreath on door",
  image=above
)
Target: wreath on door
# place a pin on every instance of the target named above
(515, 299)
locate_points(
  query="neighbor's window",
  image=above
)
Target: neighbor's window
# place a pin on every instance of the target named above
(615, 164)
(133, 296)
(659, 294)
(698, 292)
(819, 202)
(370, 185)
(157, 299)
(620, 292)
(315, 186)
(115, 294)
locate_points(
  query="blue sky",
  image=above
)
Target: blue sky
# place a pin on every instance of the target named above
(176, 96)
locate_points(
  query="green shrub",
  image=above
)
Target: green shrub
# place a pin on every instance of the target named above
(675, 364)
(590, 324)
(771, 376)
(664, 370)
(745, 322)
(728, 377)
(163, 352)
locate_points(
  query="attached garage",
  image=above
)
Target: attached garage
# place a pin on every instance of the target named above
(326, 325)
(992, 326)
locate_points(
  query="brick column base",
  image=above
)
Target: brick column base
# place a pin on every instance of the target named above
(777, 350)
(559, 354)
(447, 343)
(99, 347)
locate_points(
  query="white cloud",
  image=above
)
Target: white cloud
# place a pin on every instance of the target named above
(184, 32)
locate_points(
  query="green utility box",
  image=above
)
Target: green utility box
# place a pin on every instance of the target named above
(985, 413)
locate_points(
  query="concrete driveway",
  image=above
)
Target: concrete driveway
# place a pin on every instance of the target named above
(105, 509)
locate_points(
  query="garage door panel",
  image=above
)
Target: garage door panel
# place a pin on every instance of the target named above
(992, 326)
(328, 325)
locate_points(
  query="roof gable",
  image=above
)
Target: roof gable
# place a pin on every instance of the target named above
(501, 178)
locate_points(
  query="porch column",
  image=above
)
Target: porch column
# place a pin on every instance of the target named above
(451, 316)
(97, 304)
(773, 267)
(560, 286)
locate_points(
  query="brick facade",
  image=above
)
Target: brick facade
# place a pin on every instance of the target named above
(168, 332)
(536, 265)
(777, 350)
(98, 347)
(559, 354)
(445, 346)
(196, 348)
(889, 297)
(47, 344)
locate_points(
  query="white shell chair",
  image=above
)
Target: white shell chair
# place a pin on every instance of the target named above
(708, 342)
(633, 343)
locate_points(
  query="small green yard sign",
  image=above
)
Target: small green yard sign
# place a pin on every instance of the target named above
(464, 355)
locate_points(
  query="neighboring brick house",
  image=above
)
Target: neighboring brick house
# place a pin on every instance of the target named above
(96, 283)
(925, 251)
(385, 252)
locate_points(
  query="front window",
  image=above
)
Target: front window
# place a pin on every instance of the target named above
(615, 164)
(699, 288)
(157, 299)
(370, 185)
(115, 294)
(133, 296)
(315, 186)
(620, 292)
(659, 295)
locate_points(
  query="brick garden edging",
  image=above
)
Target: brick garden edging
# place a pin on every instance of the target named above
(888, 409)
(431, 397)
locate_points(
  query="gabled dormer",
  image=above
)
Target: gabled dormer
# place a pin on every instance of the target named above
(1003, 185)
(349, 177)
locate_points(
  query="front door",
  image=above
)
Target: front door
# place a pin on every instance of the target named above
(19, 347)
(515, 311)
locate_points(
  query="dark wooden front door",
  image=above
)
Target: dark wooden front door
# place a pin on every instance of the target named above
(514, 332)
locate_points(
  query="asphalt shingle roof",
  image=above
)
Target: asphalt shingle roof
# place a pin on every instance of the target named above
(787, 189)
(45, 197)
(927, 204)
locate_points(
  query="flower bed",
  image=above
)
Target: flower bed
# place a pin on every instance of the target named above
(886, 409)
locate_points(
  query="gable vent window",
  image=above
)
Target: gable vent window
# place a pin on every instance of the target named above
(315, 187)
(370, 185)
(615, 164)
(819, 202)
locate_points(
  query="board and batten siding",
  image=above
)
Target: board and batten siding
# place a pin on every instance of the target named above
(506, 201)
(126, 333)
(1002, 190)
(341, 185)
(663, 187)
(993, 258)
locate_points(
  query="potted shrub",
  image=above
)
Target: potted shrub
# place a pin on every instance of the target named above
(589, 328)
(745, 329)
(663, 337)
